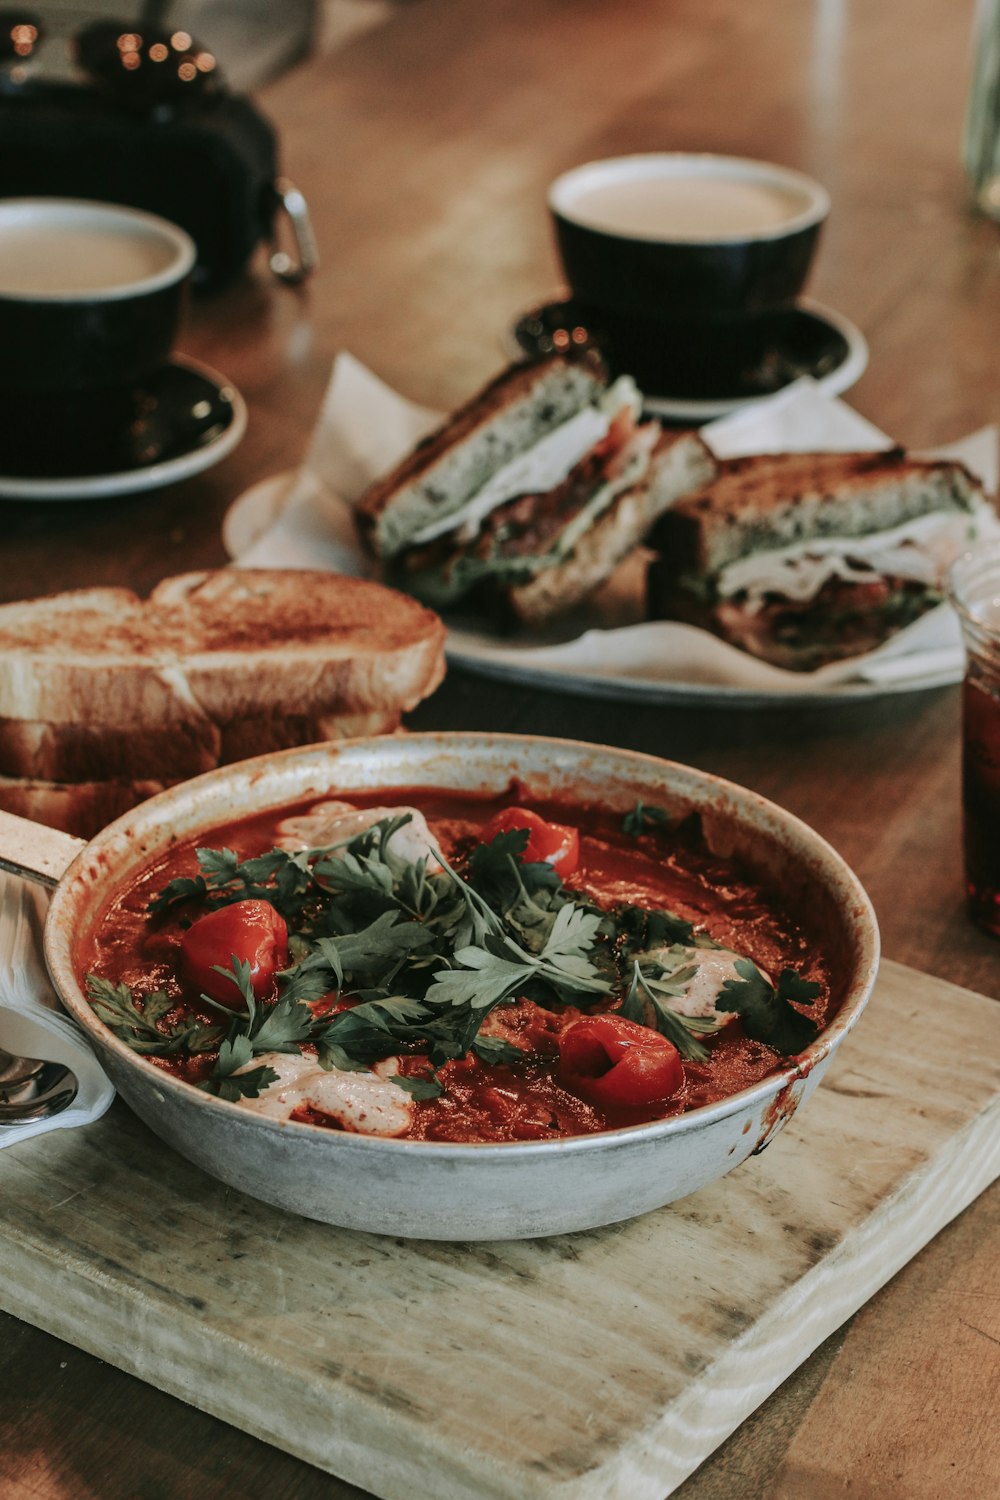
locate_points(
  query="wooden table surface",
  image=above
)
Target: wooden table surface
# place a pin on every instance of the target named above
(424, 148)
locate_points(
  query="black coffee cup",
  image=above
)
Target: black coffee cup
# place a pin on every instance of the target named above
(90, 303)
(684, 256)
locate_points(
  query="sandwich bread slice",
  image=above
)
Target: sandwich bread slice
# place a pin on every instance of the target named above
(508, 417)
(806, 558)
(576, 557)
(546, 524)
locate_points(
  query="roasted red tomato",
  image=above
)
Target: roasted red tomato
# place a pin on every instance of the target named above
(251, 931)
(615, 1063)
(555, 843)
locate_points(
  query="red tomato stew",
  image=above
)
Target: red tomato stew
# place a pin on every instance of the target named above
(455, 968)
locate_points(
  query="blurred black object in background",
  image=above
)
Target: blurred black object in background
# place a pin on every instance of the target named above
(137, 112)
(253, 40)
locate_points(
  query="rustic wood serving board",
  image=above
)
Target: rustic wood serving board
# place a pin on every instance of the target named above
(586, 1367)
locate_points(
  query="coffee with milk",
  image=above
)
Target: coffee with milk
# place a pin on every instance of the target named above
(76, 259)
(676, 260)
(689, 208)
(90, 302)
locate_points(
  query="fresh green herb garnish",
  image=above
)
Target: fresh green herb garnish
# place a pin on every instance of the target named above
(144, 1029)
(282, 878)
(418, 1087)
(493, 1050)
(426, 955)
(645, 1002)
(767, 1012)
(643, 818)
(229, 1084)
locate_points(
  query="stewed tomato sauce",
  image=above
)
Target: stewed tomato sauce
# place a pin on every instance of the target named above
(529, 1079)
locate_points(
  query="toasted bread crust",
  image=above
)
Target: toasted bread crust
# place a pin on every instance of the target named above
(39, 750)
(315, 643)
(514, 410)
(73, 656)
(774, 500)
(243, 738)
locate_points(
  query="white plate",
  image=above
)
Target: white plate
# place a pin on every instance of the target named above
(198, 449)
(320, 535)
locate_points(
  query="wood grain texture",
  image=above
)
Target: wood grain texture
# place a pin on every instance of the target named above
(626, 1354)
(875, 1425)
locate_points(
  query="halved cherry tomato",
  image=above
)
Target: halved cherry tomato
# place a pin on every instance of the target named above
(555, 843)
(251, 931)
(616, 1063)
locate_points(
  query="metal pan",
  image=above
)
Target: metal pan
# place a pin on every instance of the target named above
(457, 1191)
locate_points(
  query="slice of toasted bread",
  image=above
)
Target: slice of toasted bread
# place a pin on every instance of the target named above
(89, 654)
(242, 738)
(100, 752)
(775, 500)
(208, 648)
(105, 698)
(274, 642)
(680, 462)
(82, 808)
(33, 749)
(505, 418)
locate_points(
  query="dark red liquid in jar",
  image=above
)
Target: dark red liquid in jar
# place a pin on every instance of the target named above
(981, 795)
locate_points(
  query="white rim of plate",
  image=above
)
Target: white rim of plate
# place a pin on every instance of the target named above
(481, 660)
(155, 476)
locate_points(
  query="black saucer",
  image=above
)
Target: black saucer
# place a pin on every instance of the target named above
(698, 377)
(179, 421)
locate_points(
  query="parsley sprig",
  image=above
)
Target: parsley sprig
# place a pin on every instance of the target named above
(766, 1010)
(648, 1002)
(280, 877)
(146, 1030)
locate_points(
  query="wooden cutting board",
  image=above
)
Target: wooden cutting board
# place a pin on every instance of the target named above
(596, 1366)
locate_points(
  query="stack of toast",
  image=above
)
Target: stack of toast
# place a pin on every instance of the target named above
(105, 698)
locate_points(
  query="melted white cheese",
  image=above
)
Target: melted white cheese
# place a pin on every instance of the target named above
(714, 966)
(365, 1103)
(542, 467)
(922, 550)
(339, 822)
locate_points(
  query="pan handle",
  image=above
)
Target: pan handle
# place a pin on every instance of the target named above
(35, 852)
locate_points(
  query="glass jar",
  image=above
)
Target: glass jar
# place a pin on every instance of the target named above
(981, 137)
